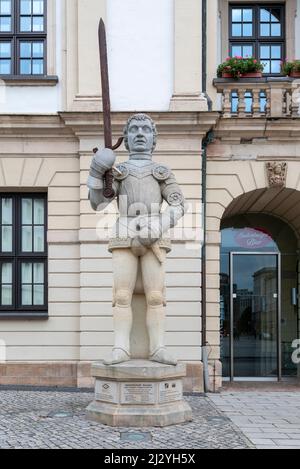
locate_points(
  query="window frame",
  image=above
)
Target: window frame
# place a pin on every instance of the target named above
(16, 257)
(15, 36)
(256, 40)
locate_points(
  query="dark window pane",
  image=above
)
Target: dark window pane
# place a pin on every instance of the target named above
(6, 284)
(26, 7)
(237, 30)
(38, 295)
(38, 23)
(25, 49)
(5, 66)
(265, 29)
(37, 67)
(5, 49)
(6, 239)
(5, 24)
(6, 293)
(6, 211)
(236, 15)
(6, 273)
(264, 52)
(39, 239)
(264, 15)
(5, 7)
(275, 66)
(38, 273)
(247, 30)
(39, 212)
(26, 295)
(25, 24)
(38, 49)
(38, 7)
(276, 52)
(26, 272)
(26, 211)
(26, 239)
(275, 29)
(247, 15)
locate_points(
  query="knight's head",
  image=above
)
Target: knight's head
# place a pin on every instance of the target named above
(140, 136)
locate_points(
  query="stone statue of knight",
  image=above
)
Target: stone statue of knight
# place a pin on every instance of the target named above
(139, 239)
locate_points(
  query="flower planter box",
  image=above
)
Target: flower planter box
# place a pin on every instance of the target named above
(294, 74)
(244, 75)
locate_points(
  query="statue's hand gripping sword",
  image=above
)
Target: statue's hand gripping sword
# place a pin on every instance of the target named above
(108, 191)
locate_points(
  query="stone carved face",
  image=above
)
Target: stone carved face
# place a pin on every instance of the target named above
(140, 136)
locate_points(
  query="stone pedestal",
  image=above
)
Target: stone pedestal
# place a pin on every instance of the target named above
(139, 393)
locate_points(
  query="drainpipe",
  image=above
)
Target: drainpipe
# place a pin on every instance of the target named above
(205, 352)
(208, 138)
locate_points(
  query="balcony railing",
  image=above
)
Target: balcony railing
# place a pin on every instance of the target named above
(259, 97)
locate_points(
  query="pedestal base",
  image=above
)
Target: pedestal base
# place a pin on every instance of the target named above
(139, 393)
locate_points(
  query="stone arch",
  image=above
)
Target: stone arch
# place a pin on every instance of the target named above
(236, 187)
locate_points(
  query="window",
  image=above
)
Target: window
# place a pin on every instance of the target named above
(23, 254)
(257, 30)
(23, 37)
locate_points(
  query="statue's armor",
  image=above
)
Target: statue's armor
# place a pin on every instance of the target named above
(141, 186)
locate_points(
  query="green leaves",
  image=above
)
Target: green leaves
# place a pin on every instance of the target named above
(288, 67)
(237, 66)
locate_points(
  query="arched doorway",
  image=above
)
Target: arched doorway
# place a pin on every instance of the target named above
(259, 309)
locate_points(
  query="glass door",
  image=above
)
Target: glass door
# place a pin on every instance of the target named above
(255, 315)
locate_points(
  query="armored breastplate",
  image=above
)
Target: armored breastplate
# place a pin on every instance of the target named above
(139, 187)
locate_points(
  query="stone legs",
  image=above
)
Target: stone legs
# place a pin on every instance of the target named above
(125, 269)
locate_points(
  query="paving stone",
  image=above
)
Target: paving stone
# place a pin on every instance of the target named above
(36, 419)
(273, 417)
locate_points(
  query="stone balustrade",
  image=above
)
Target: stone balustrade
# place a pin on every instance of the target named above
(259, 97)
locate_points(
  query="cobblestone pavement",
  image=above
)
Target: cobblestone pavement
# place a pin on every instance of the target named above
(39, 419)
(271, 420)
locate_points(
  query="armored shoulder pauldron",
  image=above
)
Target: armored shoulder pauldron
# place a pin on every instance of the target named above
(160, 172)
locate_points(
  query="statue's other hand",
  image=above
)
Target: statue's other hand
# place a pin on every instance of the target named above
(150, 230)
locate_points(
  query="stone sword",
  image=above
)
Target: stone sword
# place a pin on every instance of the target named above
(108, 191)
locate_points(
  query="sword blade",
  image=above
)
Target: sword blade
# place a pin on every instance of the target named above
(105, 85)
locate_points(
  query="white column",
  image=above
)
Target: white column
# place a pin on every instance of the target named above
(188, 57)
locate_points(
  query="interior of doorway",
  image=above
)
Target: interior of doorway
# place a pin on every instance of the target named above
(261, 233)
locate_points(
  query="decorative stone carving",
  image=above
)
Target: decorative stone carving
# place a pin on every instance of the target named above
(277, 172)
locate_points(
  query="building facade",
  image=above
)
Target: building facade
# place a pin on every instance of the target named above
(233, 274)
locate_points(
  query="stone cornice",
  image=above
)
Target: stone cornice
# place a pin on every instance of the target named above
(237, 129)
(91, 124)
(33, 125)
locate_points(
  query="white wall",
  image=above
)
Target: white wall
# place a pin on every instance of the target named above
(36, 99)
(28, 100)
(140, 42)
